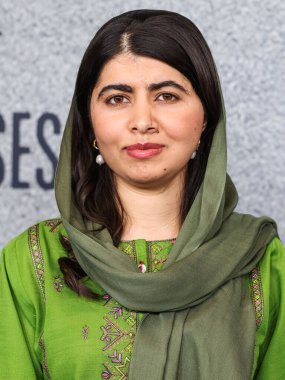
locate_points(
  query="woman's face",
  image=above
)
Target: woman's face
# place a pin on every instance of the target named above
(147, 120)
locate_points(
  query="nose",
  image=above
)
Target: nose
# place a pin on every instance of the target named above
(142, 120)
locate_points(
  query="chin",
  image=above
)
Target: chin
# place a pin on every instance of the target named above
(150, 176)
(148, 180)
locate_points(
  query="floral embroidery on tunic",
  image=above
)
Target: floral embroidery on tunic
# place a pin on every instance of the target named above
(106, 374)
(128, 247)
(122, 369)
(118, 337)
(54, 224)
(37, 256)
(111, 333)
(85, 332)
(118, 333)
(158, 253)
(58, 283)
(257, 294)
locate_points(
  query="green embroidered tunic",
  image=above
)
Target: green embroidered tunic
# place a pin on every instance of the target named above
(48, 332)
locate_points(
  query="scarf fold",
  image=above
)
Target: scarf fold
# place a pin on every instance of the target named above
(200, 323)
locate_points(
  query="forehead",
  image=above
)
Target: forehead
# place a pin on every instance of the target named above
(134, 69)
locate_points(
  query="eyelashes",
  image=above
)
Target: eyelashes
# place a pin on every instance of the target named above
(117, 100)
(166, 97)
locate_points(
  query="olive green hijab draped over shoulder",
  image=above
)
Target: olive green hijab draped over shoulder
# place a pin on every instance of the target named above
(200, 323)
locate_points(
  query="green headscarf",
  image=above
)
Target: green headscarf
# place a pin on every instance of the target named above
(200, 323)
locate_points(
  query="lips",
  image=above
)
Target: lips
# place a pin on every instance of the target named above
(144, 146)
(144, 151)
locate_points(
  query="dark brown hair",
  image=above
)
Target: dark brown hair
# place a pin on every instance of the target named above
(162, 35)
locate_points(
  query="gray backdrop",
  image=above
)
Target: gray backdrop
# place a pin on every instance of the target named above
(41, 45)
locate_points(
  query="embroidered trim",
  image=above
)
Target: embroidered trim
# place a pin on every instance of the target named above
(118, 334)
(42, 346)
(37, 257)
(122, 369)
(257, 295)
(54, 225)
(129, 248)
(158, 253)
(111, 334)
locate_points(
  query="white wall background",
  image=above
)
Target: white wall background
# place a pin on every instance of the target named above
(41, 45)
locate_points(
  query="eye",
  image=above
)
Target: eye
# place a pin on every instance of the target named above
(167, 97)
(117, 99)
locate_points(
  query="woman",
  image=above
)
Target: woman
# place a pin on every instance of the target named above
(142, 187)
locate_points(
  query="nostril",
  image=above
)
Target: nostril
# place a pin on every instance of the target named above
(153, 129)
(145, 128)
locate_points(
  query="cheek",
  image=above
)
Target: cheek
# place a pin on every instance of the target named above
(186, 124)
(185, 130)
(106, 131)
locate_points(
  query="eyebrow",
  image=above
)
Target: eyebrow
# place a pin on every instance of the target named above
(151, 87)
(167, 83)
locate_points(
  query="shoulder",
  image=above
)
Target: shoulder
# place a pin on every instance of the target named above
(272, 264)
(275, 248)
(272, 276)
(35, 238)
(32, 255)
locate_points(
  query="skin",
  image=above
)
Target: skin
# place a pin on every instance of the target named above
(146, 109)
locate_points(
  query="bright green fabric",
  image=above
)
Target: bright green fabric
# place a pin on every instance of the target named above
(269, 362)
(45, 324)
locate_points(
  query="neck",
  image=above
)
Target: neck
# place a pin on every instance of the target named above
(151, 214)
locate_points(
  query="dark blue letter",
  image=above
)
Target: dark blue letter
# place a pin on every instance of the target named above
(53, 159)
(18, 150)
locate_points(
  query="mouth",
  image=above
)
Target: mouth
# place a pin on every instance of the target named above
(142, 151)
(144, 146)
